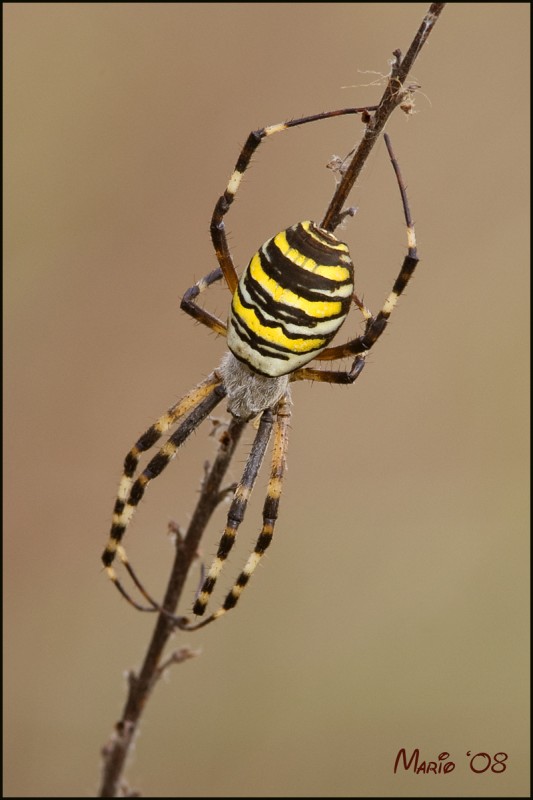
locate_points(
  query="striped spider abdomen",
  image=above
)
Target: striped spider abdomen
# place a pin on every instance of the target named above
(291, 300)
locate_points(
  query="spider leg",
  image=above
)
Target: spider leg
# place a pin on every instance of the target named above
(237, 510)
(376, 325)
(154, 606)
(188, 303)
(195, 406)
(331, 376)
(270, 513)
(218, 233)
(337, 376)
(367, 314)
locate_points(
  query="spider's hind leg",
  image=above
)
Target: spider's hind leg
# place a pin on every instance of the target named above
(255, 138)
(376, 325)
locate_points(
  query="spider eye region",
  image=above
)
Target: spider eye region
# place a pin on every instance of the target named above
(291, 300)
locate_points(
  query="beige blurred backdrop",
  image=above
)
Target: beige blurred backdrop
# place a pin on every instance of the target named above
(390, 611)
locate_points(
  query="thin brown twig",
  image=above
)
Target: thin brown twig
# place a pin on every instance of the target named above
(393, 97)
(118, 747)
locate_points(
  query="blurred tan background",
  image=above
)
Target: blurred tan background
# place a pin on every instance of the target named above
(390, 611)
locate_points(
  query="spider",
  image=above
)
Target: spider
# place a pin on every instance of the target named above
(286, 308)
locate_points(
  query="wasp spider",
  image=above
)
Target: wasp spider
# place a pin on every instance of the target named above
(286, 308)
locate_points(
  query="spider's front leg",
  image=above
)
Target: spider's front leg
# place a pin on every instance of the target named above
(191, 410)
(270, 514)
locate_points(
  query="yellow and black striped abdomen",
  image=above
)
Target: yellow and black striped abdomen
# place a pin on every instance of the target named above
(291, 300)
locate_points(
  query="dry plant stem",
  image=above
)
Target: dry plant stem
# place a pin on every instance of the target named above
(118, 747)
(393, 96)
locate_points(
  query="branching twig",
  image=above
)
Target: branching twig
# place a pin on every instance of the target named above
(140, 686)
(393, 96)
(117, 748)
